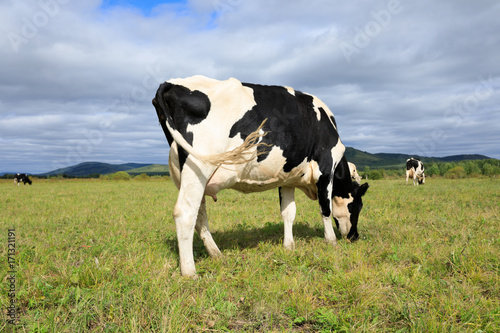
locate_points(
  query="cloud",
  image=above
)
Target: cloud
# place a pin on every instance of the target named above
(77, 78)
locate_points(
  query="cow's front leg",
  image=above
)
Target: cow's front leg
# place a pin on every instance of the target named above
(204, 231)
(288, 210)
(325, 188)
(329, 233)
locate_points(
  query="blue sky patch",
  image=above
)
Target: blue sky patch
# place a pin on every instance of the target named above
(144, 5)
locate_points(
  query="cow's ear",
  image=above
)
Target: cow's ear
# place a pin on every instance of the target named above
(362, 190)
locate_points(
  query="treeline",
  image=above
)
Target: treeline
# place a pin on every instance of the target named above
(123, 175)
(452, 170)
(462, 169)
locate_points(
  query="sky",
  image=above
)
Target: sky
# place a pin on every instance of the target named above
(401, 76)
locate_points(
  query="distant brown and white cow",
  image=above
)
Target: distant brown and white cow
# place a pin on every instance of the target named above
(354, 172)
(21, 178)
(415, 170)
(251, 138)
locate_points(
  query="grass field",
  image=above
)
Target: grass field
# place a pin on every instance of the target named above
(101, 256)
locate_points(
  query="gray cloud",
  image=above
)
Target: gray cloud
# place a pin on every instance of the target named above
(76, 80)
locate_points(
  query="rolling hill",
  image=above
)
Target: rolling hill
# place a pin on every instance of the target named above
(394, 161)
(88, 168)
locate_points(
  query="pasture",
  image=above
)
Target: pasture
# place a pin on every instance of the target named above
(101, 256)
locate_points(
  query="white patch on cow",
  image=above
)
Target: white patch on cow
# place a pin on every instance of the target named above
(339, 205)
(342, 214)
(261, 133)
(354, 172)
(337, 153)
(319, 104)
(227, 99)
(261, 176)
(290, 90)
(197, 82)
(310, 178)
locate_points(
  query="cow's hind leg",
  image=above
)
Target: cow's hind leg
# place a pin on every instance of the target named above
(204, 231)
(288, 209)
(192, 189)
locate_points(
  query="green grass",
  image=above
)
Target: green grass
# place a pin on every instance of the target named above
(101, 256)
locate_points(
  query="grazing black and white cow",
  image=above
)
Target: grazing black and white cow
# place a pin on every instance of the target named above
(21, 178)
(415, 170)
(251, 138)
(354, 172)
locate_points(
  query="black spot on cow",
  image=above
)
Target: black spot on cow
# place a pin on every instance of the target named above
(344, 187)
(292, 125)
(412, 163)
(186, 107)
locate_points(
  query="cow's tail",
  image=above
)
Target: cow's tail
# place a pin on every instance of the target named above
(239, 155)
(244, 153)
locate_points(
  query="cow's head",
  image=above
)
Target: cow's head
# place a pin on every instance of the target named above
(346, 210)
(421, 179)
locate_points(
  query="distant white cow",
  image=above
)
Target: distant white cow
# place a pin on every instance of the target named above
(354, 172)
(415, 170)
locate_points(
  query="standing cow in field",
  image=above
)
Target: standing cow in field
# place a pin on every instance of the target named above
(415, 170)
(21, 178)
(252, 138)
(354, 172)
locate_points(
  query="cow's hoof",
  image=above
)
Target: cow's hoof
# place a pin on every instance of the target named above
(332, 242)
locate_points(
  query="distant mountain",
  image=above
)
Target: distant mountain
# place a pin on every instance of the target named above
(3, 173)
(88, 168)
(392, 161)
